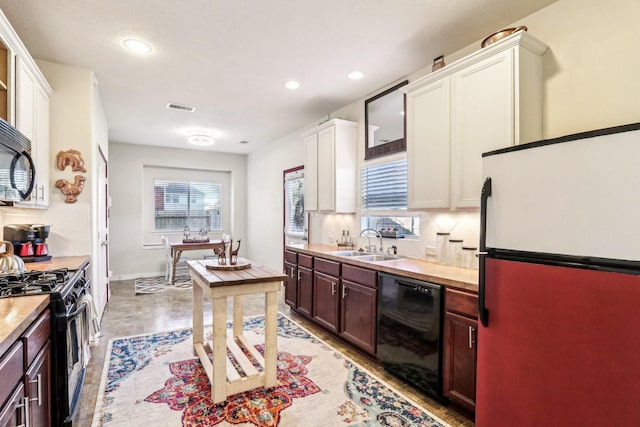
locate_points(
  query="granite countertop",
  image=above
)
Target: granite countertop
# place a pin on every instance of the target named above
(16, 314)
(456, 277)
(70, 262)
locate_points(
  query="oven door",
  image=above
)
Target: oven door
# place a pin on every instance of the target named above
(73, 356)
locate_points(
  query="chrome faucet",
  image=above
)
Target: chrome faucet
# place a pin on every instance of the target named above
(370, 247)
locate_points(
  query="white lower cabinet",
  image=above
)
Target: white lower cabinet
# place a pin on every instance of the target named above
(489, 100)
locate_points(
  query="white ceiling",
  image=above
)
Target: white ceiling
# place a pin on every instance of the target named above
(230, 58)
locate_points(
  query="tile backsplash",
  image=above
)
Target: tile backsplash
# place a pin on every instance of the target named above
(326, 228)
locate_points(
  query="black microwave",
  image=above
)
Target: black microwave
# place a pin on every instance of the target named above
(17, 171)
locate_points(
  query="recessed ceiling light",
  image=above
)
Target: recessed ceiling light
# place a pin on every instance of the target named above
(355, 75)
(201, 140)
(137, 46)
(292, 85)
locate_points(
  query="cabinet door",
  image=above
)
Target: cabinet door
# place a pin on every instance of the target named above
(311, 172)
(13, 412)
(38, 386)
(428, 138)
(482, 120)
(459, 376)
(41, 158)
(326, 169)
(291, 285)
(25, 100)
(358, 315)
(305, 291)
(325, 300)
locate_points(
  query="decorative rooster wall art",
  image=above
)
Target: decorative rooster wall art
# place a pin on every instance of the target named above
(72, 158)
(71, 190)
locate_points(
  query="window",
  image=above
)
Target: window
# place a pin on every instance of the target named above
(194, 204)
(295, 218)
(384, 199)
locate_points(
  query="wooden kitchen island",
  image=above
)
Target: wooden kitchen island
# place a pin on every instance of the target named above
(217, 286)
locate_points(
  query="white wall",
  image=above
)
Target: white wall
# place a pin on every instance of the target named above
(590, 83)
(128, 258)
(70, 120)
(77, 122)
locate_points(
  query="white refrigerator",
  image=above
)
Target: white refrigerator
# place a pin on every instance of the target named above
(559, 294)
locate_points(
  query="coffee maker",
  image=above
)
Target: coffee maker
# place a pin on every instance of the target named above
(29, 241)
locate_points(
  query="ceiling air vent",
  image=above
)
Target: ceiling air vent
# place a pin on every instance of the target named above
(174, 106)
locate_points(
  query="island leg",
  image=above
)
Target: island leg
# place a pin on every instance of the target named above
(198, 315)
(271, 339)
(219, 385)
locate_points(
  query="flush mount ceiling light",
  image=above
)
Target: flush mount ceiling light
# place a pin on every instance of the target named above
(137, 46)
(292, 85)
(201, 131)
(201, 140)
(355, 75)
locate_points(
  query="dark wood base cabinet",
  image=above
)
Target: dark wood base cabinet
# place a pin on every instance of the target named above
(341, 298)
(291, 284)
(460, 349)
(305, 290)
(298, 291)
(358, 308)
(25, 371)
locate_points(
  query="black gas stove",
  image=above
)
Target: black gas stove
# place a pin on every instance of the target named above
(69, 292)
(34, 282)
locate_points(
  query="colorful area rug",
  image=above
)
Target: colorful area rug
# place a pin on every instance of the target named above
(154, 285)
(154, 380)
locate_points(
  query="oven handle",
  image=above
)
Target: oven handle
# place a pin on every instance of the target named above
(76, 312)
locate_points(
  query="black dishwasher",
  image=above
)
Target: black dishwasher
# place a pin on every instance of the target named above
(409, 331)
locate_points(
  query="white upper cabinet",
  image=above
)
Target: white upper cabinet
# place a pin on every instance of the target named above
(488, 100)
(32, 119)
(330, 167)
(428, 138)
(27, 107)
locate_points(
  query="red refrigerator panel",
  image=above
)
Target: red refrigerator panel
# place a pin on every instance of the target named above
(562, 347)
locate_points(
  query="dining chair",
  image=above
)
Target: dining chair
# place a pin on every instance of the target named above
(182, 263)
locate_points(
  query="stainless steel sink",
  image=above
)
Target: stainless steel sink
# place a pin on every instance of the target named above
(347, 253)
(377, 257)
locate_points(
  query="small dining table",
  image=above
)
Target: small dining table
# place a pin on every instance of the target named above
(178, 247)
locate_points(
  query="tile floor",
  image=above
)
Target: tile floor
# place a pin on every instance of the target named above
(130, 314)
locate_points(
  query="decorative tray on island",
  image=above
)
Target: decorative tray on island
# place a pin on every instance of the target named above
(241, 264)
(205, 240)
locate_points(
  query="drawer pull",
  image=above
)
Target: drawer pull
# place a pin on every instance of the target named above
(333, 288)
(471, 331)
(38, 397)
(344, 291)
(25, 416)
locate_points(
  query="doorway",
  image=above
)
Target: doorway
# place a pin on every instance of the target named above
(101, 291)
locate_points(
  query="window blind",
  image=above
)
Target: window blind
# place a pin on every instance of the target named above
(295, 204)
(384, 186)
(195, 205)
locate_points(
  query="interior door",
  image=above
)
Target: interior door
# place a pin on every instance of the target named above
(101, 292)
